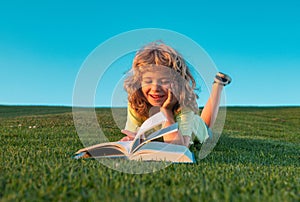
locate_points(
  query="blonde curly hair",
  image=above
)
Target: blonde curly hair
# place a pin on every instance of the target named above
(154, 55)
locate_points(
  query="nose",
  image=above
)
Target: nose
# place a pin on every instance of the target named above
(155, 86)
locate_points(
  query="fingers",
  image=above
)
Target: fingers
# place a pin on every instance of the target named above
(170, 101)
(126, 138)
(129, 135)
(170, 95)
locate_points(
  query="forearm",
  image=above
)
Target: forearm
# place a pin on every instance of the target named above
(175, 137)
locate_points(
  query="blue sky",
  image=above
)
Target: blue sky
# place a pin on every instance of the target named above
(44, 43)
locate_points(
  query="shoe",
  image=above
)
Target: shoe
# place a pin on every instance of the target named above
(222, 79)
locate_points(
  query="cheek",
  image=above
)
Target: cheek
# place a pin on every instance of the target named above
(145, 90)
(166, 87)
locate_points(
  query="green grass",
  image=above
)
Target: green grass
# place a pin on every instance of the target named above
(256, 159)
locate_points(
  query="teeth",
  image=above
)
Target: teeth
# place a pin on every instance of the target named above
(157, 96)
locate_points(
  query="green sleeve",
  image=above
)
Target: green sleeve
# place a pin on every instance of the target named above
(191, 124)
(132, 123)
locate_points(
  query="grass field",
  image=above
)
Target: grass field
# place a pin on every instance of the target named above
(256, 159)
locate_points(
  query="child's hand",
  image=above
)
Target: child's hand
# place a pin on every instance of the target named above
(167, 107)
(129, 135)
(171, 100)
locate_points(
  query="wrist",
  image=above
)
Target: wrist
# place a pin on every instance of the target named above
(168, 123)
(169, 116)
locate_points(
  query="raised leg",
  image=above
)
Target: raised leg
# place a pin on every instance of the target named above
(211, 108)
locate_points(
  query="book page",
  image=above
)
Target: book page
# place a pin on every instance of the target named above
(152, 122)
(161, 151)
(123, 147)
(157, 134)
(164, 131)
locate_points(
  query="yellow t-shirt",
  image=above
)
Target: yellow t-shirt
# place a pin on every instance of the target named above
(189, 124)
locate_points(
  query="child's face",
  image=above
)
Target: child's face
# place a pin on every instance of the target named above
(155, 85)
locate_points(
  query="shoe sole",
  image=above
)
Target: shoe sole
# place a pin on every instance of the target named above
(222, 78)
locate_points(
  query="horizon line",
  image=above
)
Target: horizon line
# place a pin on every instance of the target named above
(125, 106)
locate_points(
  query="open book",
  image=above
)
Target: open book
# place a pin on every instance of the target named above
(143, 147)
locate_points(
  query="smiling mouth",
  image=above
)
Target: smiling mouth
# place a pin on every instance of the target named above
(157, 96)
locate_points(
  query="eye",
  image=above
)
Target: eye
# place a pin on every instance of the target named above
(165, 81)
(146, 81)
